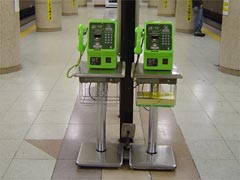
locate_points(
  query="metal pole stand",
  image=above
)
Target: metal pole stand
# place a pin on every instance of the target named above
(152, 156)
(100, 154)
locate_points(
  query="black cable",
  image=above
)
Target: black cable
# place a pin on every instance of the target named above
(146, 109)
(89, 92)
(142, 87)
(136, 86)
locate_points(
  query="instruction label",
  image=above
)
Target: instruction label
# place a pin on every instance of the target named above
(165, 3)
(73, 3)
(16, 6)
(225, 7)
(189, 10)
(50, 10)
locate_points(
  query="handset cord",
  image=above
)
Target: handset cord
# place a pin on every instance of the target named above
(78, 62)
(74, 66)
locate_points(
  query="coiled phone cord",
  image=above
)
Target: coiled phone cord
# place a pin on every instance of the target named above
(74, 66)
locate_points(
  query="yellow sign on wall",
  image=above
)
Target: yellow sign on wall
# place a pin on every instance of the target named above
(225, 7)
(189, 10)
(49, 10)
(165, 3)
(73, 3)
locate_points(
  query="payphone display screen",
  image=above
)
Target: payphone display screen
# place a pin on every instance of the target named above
(159, 37)
(101, 35)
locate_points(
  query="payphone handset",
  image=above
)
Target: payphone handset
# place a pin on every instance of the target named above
(82, 30)
(139, 36)
(102, 44)
(158, 45)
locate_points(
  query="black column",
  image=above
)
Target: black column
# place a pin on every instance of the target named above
(127, 55)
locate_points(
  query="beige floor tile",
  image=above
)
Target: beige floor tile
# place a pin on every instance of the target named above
(185, 170)
(221, 118)
(234, 147)
(218, 169)
(29, 169)
(67, 169)
(124, 173)
(229, 131)
(15, 118)
(188, 106)
(200, 132)
(8, 148)
(210, 150)
(55, 117)
(27, 107)
(47, 132)
(195, 118)
(58, 106)
(4, 163)
(10, 132)
(5, 106)
(33, 97)
(9, 96)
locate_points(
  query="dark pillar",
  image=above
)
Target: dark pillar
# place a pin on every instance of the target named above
(127, 55)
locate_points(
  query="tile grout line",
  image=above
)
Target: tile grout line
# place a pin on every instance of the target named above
(32, 126)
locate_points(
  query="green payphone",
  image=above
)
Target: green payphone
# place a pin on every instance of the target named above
(158, 45)
(101, 43)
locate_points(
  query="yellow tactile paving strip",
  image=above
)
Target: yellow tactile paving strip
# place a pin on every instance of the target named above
(211, 34)
(27, 31)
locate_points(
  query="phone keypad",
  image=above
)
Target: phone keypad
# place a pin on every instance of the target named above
(108, 38)
(166, 40)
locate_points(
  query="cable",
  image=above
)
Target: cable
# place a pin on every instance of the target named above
(136, 86)
(142, 87)
(89, 92)
(74, 66)
(146, 109)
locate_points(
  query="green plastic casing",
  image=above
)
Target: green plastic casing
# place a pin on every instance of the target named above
(158, 45)
(102, 44)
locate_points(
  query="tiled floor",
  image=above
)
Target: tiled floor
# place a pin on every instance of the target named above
(37, 103)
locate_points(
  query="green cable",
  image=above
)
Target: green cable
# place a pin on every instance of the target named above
(74, 66)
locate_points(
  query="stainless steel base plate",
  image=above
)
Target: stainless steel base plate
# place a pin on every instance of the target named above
(89, 157)
(162, 160)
